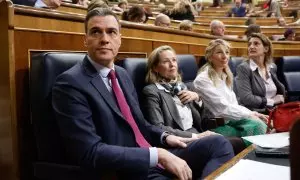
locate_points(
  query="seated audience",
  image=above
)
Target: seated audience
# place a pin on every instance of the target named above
(214, 83)
(198, 6)
(135, 14)
(257, 84)
(182, 10)
(289, 35)
(281, 21)
(97, 4)
(217, 28)
(171, 104)
(103, 128)
(123, 4)
(162, 20)
(239, 10)
(216, 3)
(253, 28)
(186, 25)
(272, 9)
(162, 8)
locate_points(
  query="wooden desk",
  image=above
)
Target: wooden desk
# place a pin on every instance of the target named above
(230, 163)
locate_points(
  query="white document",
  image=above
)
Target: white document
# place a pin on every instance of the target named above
(254, 170)
(277, 140)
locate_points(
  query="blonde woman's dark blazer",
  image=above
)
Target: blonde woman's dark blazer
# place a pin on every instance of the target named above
(250, 87)
(160, 110)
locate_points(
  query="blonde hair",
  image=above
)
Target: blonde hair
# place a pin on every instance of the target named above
(153, 60)
(212, 74)
(266, 43)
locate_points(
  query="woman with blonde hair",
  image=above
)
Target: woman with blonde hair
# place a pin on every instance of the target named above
(215, 85)
(171, 104)
(257, 84)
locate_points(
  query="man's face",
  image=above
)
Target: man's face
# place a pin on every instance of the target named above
(237, 3)
(164, 22)
(103, 39)
(218, 30)
(281, 22)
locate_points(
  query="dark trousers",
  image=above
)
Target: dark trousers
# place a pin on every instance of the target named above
(203, 156)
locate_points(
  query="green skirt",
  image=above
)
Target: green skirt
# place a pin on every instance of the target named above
(241, 128)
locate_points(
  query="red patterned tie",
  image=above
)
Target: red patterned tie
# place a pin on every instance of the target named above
(139, 138)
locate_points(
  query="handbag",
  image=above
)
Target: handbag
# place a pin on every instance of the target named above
(284, 115)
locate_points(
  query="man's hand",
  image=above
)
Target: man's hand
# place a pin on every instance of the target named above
(187, 96)
(175, 141)
(174, 164)
(206, 133)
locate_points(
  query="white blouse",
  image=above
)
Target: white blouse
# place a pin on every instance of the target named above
(220, 99)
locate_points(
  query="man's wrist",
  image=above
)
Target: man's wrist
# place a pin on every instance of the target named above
(164, 138)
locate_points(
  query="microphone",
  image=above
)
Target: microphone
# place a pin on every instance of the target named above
(178, 87)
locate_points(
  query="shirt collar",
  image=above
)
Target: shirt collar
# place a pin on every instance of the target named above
(253, 66)
(102, 70)
(40, 4)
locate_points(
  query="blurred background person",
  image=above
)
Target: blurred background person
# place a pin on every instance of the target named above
(186, 25)
(198, 5)
(289, 35)
(253, 28)
(135, 14)
(217, 28)
(239, 10)
(162, 20)
(83, 3)
(182, 10)
(281, 21)
(257, 85)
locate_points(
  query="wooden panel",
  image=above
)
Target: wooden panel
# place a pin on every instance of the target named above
(8, 143)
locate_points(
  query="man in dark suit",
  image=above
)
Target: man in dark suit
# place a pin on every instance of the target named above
(102, 126)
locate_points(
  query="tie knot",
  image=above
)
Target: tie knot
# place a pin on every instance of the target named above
(112, 74)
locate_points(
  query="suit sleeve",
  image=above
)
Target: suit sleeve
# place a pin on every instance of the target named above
(154, 113)
(244, 89)
(82, 143)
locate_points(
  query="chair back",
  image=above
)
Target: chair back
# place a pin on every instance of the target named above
(289, 73)
(44, 69)
(294, 150)
(234, 62)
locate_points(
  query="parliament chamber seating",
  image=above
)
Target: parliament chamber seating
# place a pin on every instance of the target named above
(50, 162)
(289, 74)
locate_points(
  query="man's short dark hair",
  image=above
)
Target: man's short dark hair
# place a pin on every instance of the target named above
(99, 12)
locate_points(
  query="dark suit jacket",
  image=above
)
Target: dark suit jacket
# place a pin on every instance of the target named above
(160, 110)
(250, 87)
(95, 133)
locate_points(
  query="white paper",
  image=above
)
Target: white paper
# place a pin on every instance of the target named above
(277, 140)
(253, 170)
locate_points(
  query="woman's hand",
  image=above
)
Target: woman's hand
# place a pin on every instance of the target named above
(259, 116)
(187, 96)
(278, 99)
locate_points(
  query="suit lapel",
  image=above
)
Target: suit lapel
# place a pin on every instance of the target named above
(98, 83)
(172, 108)
(259, 81)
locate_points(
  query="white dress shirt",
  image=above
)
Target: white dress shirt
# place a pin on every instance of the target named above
(184, 111)
(219, 98)
(271, 89)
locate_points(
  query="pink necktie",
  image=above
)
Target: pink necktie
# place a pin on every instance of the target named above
(139, 138)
